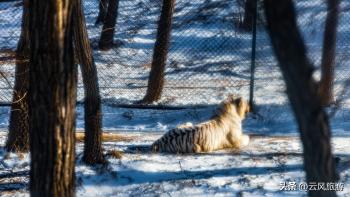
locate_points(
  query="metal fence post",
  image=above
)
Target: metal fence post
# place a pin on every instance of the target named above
(252, 65)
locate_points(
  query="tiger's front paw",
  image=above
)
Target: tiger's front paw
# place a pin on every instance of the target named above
(197, 148)
(245, 140)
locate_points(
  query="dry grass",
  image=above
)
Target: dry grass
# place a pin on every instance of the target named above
(106, 137)
(7, 56)
(115, 154)
(147, 65)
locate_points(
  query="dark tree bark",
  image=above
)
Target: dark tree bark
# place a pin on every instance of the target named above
(248, 15)
(102, 11)
(328, 53)
(18, 137)
(160, 52)
(93, 144)
(52, 98)
(302, 92)
(107, 34)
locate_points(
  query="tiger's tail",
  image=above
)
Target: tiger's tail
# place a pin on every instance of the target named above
(155, 146)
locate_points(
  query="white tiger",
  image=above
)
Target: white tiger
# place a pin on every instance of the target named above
(223, 130)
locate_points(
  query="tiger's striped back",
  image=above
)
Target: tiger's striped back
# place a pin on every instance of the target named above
(178, 140)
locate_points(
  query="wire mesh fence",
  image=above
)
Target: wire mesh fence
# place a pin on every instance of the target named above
(209, 55)
(270, 91)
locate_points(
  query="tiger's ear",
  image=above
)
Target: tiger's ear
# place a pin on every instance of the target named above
(239, 102)
(231, 98)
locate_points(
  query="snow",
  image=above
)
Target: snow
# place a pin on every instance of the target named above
(259, 169)
(208, 59)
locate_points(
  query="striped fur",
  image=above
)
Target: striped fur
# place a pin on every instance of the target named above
(223, 130)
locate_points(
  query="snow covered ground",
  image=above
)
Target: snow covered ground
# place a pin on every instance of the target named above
(261, 169)
(272, 159)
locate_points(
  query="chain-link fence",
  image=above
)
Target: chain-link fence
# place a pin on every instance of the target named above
(270, 88)
(209, 55)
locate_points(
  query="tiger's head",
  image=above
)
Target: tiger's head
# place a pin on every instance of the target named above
(240, 106)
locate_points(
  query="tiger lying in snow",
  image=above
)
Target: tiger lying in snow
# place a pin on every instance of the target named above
(223, 130)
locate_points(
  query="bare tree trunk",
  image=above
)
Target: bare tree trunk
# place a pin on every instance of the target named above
(93, 144)
(248, 15)
(302, 92)
(52, 98)
(160, 52)
(18, 137)
(328, 53)
(107, 34)
(102, 11)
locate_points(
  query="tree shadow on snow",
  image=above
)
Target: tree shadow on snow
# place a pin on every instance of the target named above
(132, 176)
